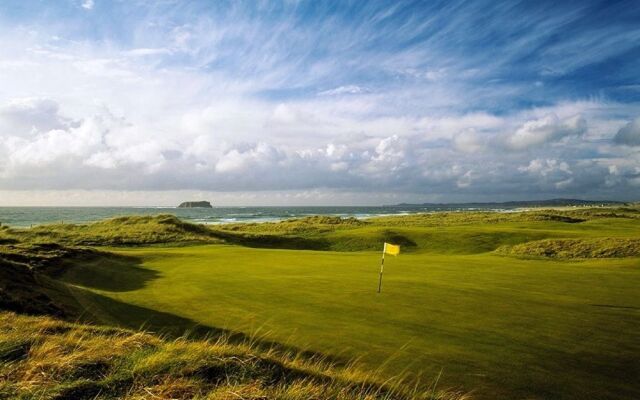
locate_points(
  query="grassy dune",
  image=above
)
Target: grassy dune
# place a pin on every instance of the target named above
(43, 358)
(122, 231)
(577, 248)
(542, 304)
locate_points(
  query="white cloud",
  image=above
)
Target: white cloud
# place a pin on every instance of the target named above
(88, 4)
(629, 134)
(465, 180)
(468, 141)
(545, 130)
(23, 116)
(255, 157)
(545, 167)
(341, 90)
(141, 52)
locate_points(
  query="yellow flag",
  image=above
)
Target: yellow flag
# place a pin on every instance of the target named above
(392, 249)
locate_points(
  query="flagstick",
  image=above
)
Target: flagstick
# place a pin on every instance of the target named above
(381, 268)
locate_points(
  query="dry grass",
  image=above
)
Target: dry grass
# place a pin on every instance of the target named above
(576, 248)
(131, 230)
(45, 358)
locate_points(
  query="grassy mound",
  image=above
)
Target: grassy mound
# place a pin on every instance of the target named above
(22, 287)
(121, 231)
(447, 232)
(48, 359)
(570, 216)
(576, 248)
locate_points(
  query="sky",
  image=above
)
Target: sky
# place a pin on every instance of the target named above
(317, 102)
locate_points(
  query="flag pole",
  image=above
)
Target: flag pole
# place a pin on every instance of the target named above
(381, 268)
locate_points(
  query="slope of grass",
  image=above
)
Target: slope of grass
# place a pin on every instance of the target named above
(122, 231)
(45, 358)
(500, 327)
(576, 248)
(452, 232)
(434, 232)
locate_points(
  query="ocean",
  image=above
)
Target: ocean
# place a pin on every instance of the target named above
(28, 216)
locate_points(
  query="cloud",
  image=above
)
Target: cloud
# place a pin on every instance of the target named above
(545, 167)
(547, 129)
(629, 135)
(362, 101)
(468, 141)
(23, 116)
(342, 90)
(88, 4)
(147, 52)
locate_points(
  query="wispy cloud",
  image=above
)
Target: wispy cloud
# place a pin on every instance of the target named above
(454, 99)
(88, 4)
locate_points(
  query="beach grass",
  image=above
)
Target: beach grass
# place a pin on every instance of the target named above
(44, 358)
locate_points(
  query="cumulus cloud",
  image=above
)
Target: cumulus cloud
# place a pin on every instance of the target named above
(546, 130)
(629, 134)
(23, 116)
(552, 172)
(545, 167)
(468, 141)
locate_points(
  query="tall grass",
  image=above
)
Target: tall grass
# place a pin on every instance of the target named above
(576, 248)
(44, 358)
(121, 231)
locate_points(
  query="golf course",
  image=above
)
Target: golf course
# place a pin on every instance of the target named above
(536, 305)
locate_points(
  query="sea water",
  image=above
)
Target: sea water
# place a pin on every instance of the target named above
(28, 216)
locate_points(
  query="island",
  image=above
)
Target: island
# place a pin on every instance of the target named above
(195, 204)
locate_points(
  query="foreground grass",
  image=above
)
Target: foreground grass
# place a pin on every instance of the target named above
(43, 358)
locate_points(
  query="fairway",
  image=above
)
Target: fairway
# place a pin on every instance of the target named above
(497, 326)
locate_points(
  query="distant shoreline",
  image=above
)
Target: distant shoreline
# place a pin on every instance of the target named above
(32, 216)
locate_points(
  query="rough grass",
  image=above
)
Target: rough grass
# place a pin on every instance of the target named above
(450, 232)
(443, 232)
(576, 248)
(121, 231)
(45, 358)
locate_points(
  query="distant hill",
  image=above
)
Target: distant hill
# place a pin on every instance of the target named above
(518, 204)
(195, 204)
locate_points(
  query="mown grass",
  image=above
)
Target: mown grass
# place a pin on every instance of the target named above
(500, 327)
(45, 358)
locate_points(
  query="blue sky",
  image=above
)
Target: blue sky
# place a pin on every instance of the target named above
(318, 102)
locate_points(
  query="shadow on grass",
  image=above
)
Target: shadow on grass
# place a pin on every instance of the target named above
(273, 241)
(119, 273)
(106, 271)
(104, 310)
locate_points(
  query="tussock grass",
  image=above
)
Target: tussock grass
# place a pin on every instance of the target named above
(576, 248)
(121, 231)
(442, 231)
(46, 358)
